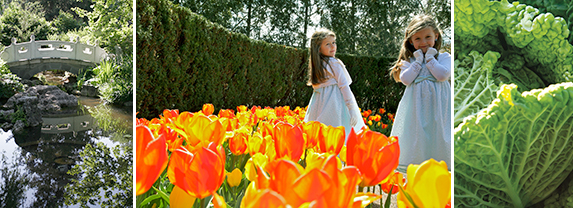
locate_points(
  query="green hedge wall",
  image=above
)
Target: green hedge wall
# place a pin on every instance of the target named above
(184, 61)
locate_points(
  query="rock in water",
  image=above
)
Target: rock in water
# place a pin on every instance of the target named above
(41, 100)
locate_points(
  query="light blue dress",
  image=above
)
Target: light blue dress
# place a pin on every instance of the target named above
(327, 104)
(423, 118)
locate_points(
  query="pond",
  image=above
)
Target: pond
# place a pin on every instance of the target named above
(35, 164)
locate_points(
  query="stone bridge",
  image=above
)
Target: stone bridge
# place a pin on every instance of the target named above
(29, 58)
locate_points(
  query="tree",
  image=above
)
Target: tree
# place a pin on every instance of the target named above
(111, 23)
(52, 8)
(21, 20)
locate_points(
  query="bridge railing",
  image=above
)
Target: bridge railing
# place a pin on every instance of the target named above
(50, 49)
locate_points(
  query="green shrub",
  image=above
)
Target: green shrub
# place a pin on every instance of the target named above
(9, 83)
(114, 80)
(185, 61)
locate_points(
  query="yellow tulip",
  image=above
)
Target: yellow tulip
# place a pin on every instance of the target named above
(180, 198)
(234, 177)
(428, 185)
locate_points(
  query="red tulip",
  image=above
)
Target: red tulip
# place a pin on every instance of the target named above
(199, 171)
(151, 158)
(374, 154)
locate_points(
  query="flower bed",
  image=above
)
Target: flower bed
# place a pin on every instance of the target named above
(269, 157)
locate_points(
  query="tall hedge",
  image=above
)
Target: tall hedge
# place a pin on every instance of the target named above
(184, 61)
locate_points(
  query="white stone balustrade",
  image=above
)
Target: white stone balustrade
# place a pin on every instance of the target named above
(44, 55)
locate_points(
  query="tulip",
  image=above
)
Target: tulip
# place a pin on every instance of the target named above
(199, 171)
(171, 137)
(393, 182)
(428, 185)
(226, 113)
(257, 160)
(374, 154)
(208, 109)
(180, 198)
(201, 128)
(238, 143)
(169, 114)
(327, 186)
(289, 141)
(218, 201)
(313, 132)
(234, 177)
(151, 158)
(332, 140)
(257, 144)
(382, 111)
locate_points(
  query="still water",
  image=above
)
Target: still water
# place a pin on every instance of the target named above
(35, 164)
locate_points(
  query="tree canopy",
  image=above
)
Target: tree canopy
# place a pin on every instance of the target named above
(372, 28)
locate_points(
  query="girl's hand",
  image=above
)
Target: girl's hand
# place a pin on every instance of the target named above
(419, 54)
(430, 54)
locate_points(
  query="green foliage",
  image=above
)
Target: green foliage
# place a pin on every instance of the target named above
(517, 151)
(111, 23)
(114, 80)
(118, 128)
(52, 9)
(20, 20)
(66, 22)
(9, 83)
(185, 61)
(103, 168)
(368, 28)
(563, 195)
(19, 115)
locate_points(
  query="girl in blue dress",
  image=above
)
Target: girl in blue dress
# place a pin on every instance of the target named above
(423, 118)
(332, 102)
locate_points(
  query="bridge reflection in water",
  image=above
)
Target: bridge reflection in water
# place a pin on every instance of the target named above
(53, 149)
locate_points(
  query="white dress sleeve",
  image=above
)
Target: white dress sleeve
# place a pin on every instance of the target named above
(409, 72)
(340, 73)
(440, 68)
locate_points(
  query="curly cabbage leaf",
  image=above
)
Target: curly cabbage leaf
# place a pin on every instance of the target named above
(562, 197)
(517, 151)
(475, 87)
(561, 8)
(540, 38)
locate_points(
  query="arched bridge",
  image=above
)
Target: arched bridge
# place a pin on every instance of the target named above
(29, 58)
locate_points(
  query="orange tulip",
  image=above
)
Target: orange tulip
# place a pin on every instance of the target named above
(199, 171)
(313, 132)
(169, 114)
(226, 113)
(327, 186)
(238, 143)
(257, 144)
(208, 109)
(374, 154)
(428, 185)
(392, 182)
(171, 137)
(382, 111)
(332, 140)
(367, 113)
(151, 158)
(288, 141)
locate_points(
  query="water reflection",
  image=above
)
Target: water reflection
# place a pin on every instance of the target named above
(44, 154)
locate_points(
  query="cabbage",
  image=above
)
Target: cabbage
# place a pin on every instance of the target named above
(474, 85)
(534, 48)
(517, 151)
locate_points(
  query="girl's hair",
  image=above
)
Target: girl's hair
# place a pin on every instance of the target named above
(316, 69)
(407, 50)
